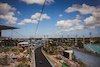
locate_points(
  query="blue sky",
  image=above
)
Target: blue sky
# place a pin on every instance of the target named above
(59, 18)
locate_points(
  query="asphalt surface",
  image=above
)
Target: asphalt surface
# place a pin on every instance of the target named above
(40, 57)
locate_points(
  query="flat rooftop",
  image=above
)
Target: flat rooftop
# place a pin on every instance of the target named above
(3, 27)
(69, 51)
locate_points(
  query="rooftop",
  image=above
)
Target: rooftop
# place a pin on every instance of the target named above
(3, 27)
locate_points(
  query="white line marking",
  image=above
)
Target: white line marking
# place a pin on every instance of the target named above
(98, 47)
(91, 48)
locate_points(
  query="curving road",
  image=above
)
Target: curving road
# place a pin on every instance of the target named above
(40, 57)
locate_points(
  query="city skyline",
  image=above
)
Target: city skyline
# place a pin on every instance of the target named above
(59, 18)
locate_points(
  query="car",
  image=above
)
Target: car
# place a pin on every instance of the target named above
(40, 62)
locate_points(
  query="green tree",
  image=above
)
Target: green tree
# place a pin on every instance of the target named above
(7, 49)
(24, 59)
(83, 65)
(23, 65)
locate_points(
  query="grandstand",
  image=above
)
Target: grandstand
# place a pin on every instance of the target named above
(95, 48)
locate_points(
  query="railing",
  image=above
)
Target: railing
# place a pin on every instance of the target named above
(50, 58)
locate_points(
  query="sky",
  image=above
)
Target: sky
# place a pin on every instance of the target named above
(59, 18)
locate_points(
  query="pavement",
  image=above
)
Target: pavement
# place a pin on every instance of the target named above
(40, 57)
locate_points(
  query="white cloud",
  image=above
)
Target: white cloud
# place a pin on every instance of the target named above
(67, 23)
(18, 12)
(40, 2)
(5, 8)
(89, 22)
(7, 13)
(34, 21)
(78, 16)
(9, 18)
(44, 16)
(84, 9)
(60, 15)
(29, 21)
(26, 21)
(21, 23)
(77, 27)
(35, 18)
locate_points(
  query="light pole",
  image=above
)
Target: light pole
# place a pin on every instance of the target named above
(62, 39)
(83, 40)
(90, 38)
(44, 41)
(75, 40)
(47, 40)
(68, 39)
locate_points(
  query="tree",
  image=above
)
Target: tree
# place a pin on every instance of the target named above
(24, 59)
(7, 49)
(56, 52)
(83, 65)
(79, 44)
(29, 51)
(23, 65)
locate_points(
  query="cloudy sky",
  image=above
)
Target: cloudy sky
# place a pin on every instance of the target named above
(59, 18)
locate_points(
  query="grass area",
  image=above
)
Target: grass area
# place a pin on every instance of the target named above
(58, 58)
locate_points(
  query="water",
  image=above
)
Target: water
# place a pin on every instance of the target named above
(89, 60)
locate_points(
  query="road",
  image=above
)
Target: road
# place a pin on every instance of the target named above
(40, 57)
